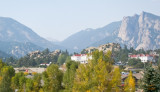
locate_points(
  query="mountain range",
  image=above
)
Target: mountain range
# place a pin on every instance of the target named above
(18, 40)
(138, 31)
(84, 38)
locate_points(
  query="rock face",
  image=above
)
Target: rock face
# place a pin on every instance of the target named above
(105, 48)
(141, 31)
(39, 54)
(138, 31)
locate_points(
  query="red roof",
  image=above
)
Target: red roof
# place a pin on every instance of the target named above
(140, 55)
(133, 56)
(44, 63)
(79, 54)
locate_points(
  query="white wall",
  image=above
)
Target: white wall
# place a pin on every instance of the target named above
(82, 59)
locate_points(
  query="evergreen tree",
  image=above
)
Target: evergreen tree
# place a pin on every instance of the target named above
(46, 51)
(62, 58)
(151, 80)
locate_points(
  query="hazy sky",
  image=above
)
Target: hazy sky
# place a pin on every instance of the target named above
(58, 19)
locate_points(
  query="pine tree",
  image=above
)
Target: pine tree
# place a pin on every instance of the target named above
(151, 80)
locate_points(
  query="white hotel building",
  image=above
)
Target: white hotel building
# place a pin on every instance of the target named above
(143, 57)
(82, 58)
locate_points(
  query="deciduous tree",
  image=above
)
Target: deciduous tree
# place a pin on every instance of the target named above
(52, 79)
(98, 75)
(129, 85)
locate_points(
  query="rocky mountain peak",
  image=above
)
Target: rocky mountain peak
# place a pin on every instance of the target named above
(128, 27)
(140, 31)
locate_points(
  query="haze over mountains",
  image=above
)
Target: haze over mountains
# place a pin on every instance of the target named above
(18, 40)
(138, 31)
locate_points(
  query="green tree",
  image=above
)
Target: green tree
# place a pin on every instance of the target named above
(69, 75)
(151, 80)
(62, 58)
(18, 82)
(33, 85)
(98, 75)
(136, 63)
(37, 82)
(52, 78)
(29, 85)
(6, 73)
(46, 51)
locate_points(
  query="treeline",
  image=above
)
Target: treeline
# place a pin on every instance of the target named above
(99, 75)
(63, 56)
(122, 55)
(43, 57)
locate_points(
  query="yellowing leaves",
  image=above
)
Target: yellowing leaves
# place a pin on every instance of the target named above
(129, 85)
(0, 78)
(98, 75)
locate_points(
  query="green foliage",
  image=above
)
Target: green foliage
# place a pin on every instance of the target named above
(62, 58)
(46, 51)
(11, 61)
(52, 78)
(136, 63)
(122, 67)
(6, 73)
(69, 75)
(98, 75)
(33, 85)
(37, 82)
(121, 55)
(44, 57)
(151, 80)
(29, 85)
(18, 81)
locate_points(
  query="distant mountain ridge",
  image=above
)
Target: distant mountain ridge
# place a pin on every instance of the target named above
(11, 30)
(84, 38)
(138, 31)
(4, 55)
(16, 35)
(18, 49)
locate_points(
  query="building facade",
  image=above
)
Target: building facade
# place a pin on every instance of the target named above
(143, 57)
(82, 58)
